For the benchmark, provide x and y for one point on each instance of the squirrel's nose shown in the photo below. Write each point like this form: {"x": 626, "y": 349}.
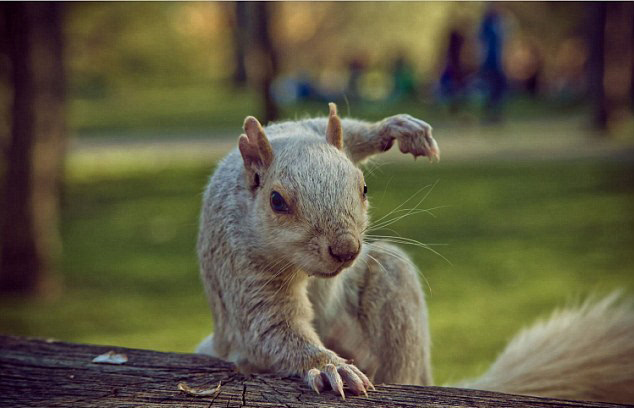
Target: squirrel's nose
{"x": 345, "y": 248}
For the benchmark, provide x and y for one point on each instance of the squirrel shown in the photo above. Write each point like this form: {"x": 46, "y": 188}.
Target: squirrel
{"x": 296, "y": 291}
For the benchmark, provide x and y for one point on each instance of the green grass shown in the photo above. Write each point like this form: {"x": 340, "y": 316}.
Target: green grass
{"x": 152, "y": 112}
{"x": 522, "y": 238}
{"x": 175, "y": 111}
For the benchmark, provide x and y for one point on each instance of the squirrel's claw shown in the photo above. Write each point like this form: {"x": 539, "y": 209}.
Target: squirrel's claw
{"x": 366, "y": 382}
{"x": 336, "y": 376}
{"x": 353, "y": 380}
{"x": 335, "y": 379}
{"x": 314, "y": 380}
{"x": 414, "y": 136}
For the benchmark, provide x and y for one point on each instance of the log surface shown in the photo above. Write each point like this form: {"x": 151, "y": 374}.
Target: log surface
{"x": 46, "y": 373}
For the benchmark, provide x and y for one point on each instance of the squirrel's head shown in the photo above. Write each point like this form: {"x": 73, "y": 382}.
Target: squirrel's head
{"x": 309, "y": 199}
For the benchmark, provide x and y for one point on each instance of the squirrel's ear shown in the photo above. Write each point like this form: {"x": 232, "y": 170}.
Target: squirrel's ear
{"x": 334, "y": 131}
{"x": 255, "y": 150}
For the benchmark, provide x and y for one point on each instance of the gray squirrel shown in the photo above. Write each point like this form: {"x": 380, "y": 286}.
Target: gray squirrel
{"x": 296, "y": 291}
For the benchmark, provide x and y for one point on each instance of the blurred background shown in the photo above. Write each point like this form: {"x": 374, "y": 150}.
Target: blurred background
{"x": 113, "y": 115}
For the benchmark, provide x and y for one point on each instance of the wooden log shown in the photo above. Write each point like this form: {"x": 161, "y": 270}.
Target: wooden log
{"x": 48, "y": 373}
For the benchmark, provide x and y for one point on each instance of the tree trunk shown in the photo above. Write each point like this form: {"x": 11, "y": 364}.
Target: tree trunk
{"x": 596, "y": 40}
{"x": 240, "y": 44}
{"x": 611, "y": 71}
{"x": 262, "y": 58}
{"x": 618, "y": 70}
{"x": 632, "y": 64}
{"x": 29, "y": 223}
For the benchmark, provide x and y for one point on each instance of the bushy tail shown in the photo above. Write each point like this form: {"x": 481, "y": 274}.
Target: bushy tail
{"x": 585, "y": 353}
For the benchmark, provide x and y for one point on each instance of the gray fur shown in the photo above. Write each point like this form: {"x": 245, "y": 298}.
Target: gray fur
{"x": 284, "y": 301}
{"x": 280, "y": 301}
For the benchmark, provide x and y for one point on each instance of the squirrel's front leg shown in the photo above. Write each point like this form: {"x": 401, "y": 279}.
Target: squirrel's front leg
{"x": 272, "y": 321}
{"x": 294, "y": 348}
{"x": 362, "y": 139}
{"x": 413, "y": 135}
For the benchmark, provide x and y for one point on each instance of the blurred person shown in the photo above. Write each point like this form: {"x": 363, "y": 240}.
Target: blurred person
{"x": 403, "y": 78}
{"x": 356, "y": 68}
{"x": 569, "y": 81}
{"x": 535, "y": 68}
{"x": 492, "y": 76}
{"x": 525, "y": 67}
{"x": 452, "y": 82}
{"x": 292, "y": 88}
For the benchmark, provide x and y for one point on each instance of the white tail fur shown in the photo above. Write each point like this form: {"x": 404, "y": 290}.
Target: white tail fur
{"x": 585, "y": 353}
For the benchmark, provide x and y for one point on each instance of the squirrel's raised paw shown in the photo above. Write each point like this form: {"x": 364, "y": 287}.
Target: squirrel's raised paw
{"x": 336, "y": 376}
{"x": 413, "y": 135}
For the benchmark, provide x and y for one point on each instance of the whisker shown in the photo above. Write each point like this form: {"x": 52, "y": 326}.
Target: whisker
{"x": 385, "y": 189}
{"x": 397, "y": 255}
{"x": 269, "y": 267}
{"x": 286, "y": 282}
{"x": 383, "y": 229}
{"x": 372, "y": 167}
{"x": 410, "y": 241}
{"x": 409, "y": 211}
{"x": 377, "y": 262}
{"x": 406, "y": 201}
{"x": 422, "y": 199}
{"x": 421, "y": 209}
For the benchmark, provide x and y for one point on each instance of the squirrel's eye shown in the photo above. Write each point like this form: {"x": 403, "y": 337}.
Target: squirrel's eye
{"x": 365, "y": 190}
{"x": 277, "y": 203}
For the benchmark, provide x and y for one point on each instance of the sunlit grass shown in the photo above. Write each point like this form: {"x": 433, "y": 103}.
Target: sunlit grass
{"x": 522, "y": 238}
{"x": 167, "y": 111}
{"x": 185, "y": 111}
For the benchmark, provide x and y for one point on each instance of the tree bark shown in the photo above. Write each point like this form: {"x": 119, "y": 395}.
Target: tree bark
{"x": 47, "y": 373}
{"x": 618, "y": 70}
{"x": 631, "y": 17}
{"x": 240, "y": 45}
{"x": 596, "y": 40}
{"x": 262, "y": 64}
{"x": 29, "y": 223}
{"x": 611, "y": 61}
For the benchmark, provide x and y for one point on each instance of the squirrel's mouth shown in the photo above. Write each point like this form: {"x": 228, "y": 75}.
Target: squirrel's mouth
{"x": 326, "y": 275}
{"x": 332, "y": 274}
